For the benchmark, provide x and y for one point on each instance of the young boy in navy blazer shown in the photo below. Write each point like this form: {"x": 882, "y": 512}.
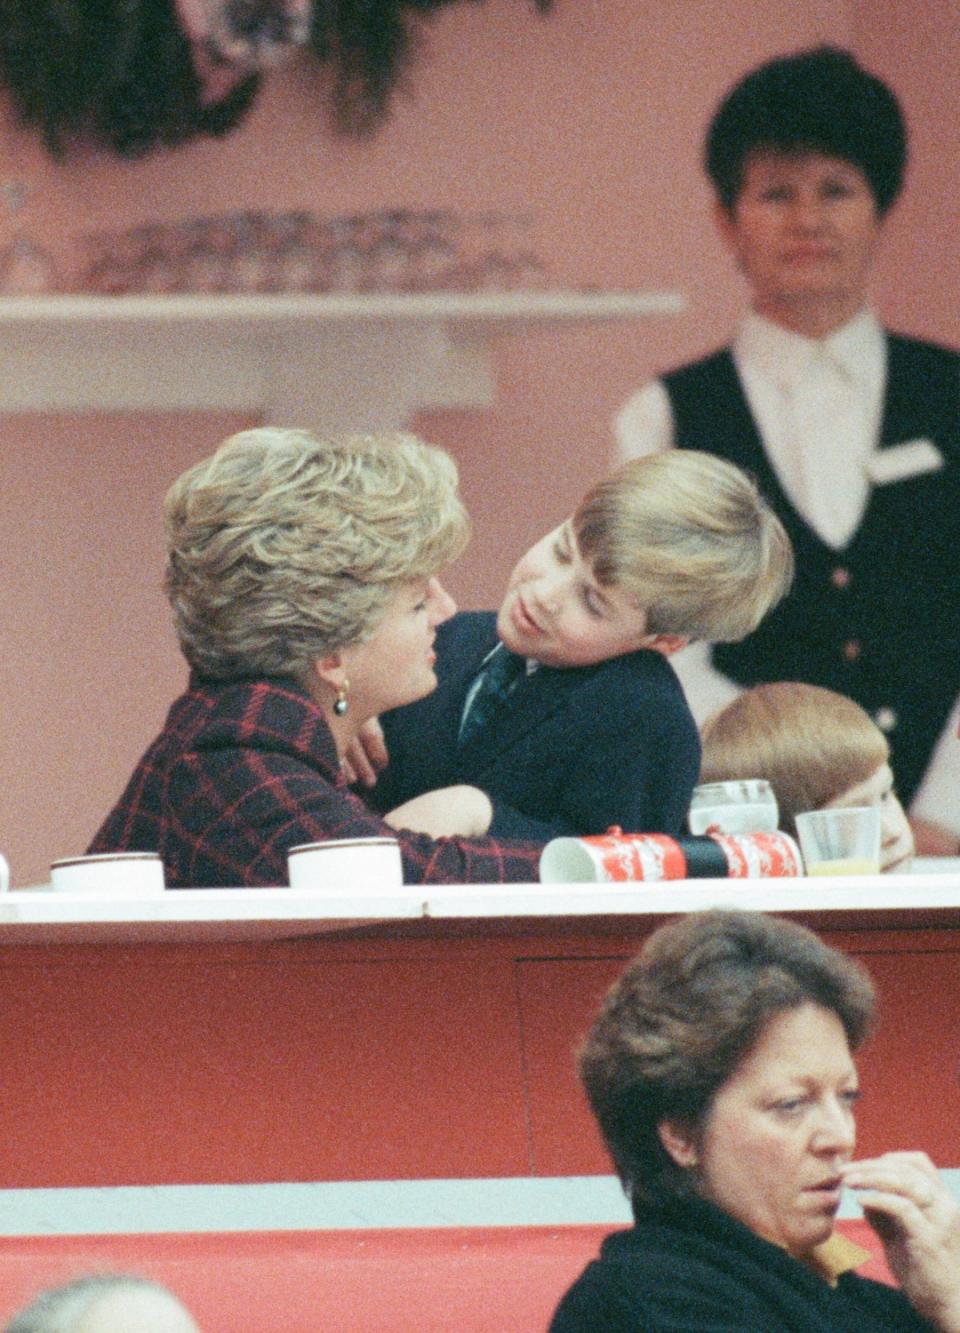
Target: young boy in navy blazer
{"x": 594, "y": 729}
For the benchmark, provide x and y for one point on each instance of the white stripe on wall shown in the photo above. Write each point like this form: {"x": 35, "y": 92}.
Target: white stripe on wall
{"x": 336, "y": 1205}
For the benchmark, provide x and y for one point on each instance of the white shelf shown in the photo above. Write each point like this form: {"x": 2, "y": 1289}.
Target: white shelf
{"x": 36, "y": 916}
{"x": 462, "y": 308}
{"x": 335, "y": 362}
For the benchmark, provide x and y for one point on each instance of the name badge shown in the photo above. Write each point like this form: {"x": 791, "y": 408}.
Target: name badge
{"x": 901, "y": 461}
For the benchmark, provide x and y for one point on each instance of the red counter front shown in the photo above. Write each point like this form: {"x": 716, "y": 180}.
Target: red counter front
{"x": 395, "y": 1050}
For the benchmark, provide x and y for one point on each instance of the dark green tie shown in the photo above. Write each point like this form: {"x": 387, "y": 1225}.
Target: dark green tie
{"x": 497, "y": 681}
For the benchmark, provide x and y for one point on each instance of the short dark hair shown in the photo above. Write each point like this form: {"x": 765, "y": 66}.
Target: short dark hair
{"x": 814, "y": 101}
{"x": 683, "y": 1016}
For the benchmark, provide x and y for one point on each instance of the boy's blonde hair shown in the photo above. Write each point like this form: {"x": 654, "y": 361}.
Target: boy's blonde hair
{"x": 691, "y": 538}
{"x": 811, "y": 745}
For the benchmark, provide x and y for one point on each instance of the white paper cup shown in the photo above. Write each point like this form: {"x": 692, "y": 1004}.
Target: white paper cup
{"x": 115, "y": 874}
{"x": 843, "y": 841}
{"x": 346, "y": 865}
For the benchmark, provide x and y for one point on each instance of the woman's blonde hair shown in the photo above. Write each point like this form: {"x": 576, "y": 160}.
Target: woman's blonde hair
{"x": 283, "y": 547}
{"x": 811, "y": 745}
{"x": 690, "y": 536}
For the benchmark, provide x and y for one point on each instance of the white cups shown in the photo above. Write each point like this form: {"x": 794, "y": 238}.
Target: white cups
{"x": 114, "y": 874}
{"x": 4, "y": 875}
{"x": 841, "y": 841}
{"x": 344, "y": 866}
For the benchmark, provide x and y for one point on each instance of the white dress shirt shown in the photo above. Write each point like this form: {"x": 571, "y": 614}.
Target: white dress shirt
{"x": 804, "y": 394}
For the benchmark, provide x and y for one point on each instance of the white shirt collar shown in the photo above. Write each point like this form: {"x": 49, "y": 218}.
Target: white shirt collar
{"x": 857, "y": 349}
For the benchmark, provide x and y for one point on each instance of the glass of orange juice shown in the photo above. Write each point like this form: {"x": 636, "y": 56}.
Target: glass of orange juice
{"x": 843, "y": 841}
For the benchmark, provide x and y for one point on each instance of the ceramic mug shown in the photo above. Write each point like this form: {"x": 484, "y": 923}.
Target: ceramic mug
{"x": 342, "y": 866}
{"x": 115, "y": 874}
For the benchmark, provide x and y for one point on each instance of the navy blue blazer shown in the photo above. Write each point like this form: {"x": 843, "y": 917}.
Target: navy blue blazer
{"x": 573, "y": 751}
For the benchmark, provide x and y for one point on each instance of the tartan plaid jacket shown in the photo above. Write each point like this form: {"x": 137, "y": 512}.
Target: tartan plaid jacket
{"x": 242, "y": 771}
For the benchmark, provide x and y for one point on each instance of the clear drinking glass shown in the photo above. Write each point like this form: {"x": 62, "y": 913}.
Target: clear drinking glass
{"x": 433, "y": 251}
{"x": 498, "y": 253}
{"x": 345, "y": 254}
{"x": 743, "y": 805}
{"x": 387, "y": 257}
{"x": 153, "y": 268}
{"x": 252, "y": 265}
{"x": 296, "y": 255}
{"x": 840, "y": 841}
{"x": 26, "y": 269}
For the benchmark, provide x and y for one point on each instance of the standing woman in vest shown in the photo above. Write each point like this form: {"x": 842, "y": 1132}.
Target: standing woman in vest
{"x": 852, "y": 431}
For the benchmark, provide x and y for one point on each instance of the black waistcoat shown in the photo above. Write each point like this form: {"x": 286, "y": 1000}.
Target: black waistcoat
{"x": 879, "y": 620}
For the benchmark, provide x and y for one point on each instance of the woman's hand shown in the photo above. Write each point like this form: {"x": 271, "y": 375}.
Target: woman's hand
{"x": 366, "y": 755}
{"x": 918, "y": 1220}
{"x": 447, "y": 812}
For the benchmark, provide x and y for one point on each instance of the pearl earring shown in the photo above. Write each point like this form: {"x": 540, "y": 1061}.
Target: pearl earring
{"x": 341, "y": 703}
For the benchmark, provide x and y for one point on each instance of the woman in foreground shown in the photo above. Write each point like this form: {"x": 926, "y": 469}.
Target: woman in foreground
{"x": 302, "y": 576}
{"x": 721, "y": 1074}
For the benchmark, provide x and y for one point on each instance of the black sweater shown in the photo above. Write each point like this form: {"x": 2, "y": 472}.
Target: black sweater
{"x": 689, "y": 1268}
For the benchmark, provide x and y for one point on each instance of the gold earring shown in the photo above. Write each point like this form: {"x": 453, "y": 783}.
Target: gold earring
{"x": 341, "y": 703}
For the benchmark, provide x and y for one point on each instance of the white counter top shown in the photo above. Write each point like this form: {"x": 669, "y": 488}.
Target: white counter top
{"x": 39, "y": 916}
{"x": 844, "y": 894}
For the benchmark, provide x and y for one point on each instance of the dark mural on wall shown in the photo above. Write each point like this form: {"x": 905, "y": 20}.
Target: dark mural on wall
{"x": 132, "y": 76}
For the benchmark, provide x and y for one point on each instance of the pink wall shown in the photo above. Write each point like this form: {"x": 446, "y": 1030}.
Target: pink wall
{"x": 592, "y": 118}
{"x": 916, "y": 48}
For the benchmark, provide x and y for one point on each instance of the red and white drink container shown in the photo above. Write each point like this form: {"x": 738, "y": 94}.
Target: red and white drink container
{"x": 617, "y": 857}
